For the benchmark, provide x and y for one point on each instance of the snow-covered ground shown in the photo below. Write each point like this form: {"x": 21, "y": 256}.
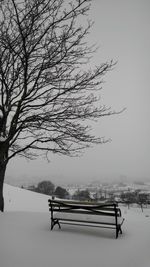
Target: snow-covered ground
{"x": 26, "y": 239}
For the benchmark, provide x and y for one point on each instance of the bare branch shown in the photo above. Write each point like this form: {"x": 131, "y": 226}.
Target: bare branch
{"x": 48, "y": 92}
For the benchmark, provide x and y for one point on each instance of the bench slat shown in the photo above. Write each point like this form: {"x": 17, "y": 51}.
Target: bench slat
{"x": 88, "y": 218}
{"x": 92, "y": 212}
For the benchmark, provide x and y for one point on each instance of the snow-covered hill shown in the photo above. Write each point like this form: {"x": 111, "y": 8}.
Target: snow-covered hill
{"x": 26, "y": 239}
{"x": 17, "y": 199}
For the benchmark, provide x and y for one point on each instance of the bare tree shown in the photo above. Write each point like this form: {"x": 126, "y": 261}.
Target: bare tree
{"x": 47, "y": 92}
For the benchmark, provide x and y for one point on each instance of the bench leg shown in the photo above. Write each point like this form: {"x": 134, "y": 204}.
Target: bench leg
{"x": 58, "y": 224}
{"x": 117, "y": 230}
{"x": 120, "y": 230}
{"x": 53, "y": 222}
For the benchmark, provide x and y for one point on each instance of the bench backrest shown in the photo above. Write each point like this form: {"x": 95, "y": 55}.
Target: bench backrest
{"x": 107, "y": 209}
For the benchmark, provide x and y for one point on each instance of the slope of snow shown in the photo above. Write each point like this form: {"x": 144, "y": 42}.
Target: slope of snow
{"x": 17, "y": 199}
{"x": 26, "y": 239}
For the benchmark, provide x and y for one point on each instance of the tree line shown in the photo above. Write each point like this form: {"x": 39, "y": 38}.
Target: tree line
{"x": 48, "y": 188}
{"x": 128, "y": 198}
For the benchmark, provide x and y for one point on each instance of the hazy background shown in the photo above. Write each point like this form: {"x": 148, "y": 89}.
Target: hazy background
{"x": 122, "y": 32}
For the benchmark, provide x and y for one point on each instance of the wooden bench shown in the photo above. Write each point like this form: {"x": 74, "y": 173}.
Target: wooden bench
{"x": 86, "y": 214}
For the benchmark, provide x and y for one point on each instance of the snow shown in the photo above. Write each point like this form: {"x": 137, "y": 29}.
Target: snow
{"x": 26, "y": 239}
{"x": 2, "y": 139}
{"x": 18, "y": 199}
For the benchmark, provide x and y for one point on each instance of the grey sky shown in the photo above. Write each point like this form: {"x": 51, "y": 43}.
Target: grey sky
{"x": 122, "y": 32}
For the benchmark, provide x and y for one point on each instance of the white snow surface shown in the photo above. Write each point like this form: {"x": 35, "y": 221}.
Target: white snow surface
{"x": 2, "y": 139}
{"x": 26, "y": 239}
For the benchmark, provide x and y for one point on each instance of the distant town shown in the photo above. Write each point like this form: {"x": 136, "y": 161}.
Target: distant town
{"x": 122, "y": 192}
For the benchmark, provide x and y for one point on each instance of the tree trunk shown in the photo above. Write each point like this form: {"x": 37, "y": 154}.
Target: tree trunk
{"x": 2, "y": 175}
{"x": 3, "y": 164}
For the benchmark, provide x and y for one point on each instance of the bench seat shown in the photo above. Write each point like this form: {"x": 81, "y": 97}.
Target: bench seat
{"x": 87, "y": 218}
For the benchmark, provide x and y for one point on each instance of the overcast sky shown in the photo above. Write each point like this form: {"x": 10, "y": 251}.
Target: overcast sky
{"x": 122, "y": 32}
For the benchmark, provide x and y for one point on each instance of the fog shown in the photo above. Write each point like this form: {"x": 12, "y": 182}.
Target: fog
{"x": 121, "y": 30}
